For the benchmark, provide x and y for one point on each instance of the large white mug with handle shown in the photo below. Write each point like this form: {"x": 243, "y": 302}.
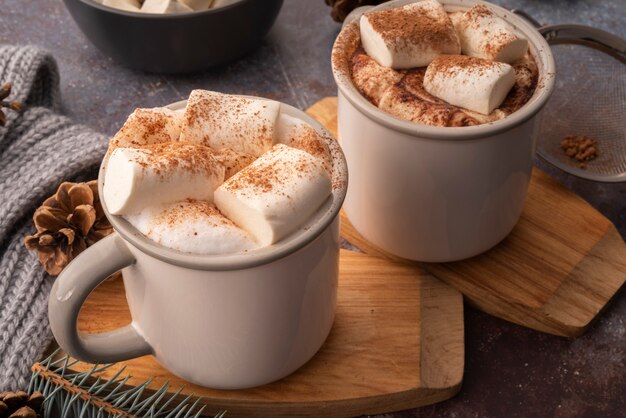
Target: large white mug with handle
{"x": 221, "y": 321}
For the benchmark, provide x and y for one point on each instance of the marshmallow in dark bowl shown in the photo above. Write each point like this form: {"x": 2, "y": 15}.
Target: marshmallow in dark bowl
{"x": 174, "y": 36}
{"x": 165, "y": 6}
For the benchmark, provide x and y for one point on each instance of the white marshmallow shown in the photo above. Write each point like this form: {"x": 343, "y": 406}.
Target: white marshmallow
{"x": 485, "y": 35}
{"x": 197, "y": 4}
{"x": 472, "y": 83}
{"x": 232, "y": 161}
{"x": 164, "y": 6}
{"x": 298, "y": 134}
{"x": 285, "y": 128}
{"x": 147, "y": 127}
{"x": 409, "y": 36}
{"x": 276, "y": 194}
{"x": 456, "y": 18}
{"x": 192, "y": 226}
{"x": 138, "y": 178}
{"x": 127, "y": 5}
{"x": 221, "y": 121}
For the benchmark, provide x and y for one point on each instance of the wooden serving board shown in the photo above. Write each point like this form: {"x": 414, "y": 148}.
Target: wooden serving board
{"x": 555, "y": 272}
{"x": 397, "y": 343}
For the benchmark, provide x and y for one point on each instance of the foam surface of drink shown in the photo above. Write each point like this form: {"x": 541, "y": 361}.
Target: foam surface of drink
{"x": 192, "y": 226}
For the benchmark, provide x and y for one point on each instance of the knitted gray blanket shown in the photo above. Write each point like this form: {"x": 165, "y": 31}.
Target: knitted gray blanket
{"x": 39, "y": 149}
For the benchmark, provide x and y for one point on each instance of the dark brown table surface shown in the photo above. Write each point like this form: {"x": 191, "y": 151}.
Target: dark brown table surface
{"x": 510, "y": 371}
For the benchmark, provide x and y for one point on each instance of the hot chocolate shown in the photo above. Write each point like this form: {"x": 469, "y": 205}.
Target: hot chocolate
{"x": 228, "y": 174}
{"x": 420, "y": 63}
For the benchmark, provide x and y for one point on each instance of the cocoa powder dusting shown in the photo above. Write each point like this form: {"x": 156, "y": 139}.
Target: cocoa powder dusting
{"x": 189, "y": 210}
{"x": 143, "y": 127}
{"x": 194, "y": 158}
{"x": 415, "y": 25}
{"x": 269, "y": 173}
{"x": 401, "y": 92}
{"x": 581, "y": 148}
{"x": 451, "y": 65}
{"x": 371, "y": 78}
{"x": 308, "y": 140}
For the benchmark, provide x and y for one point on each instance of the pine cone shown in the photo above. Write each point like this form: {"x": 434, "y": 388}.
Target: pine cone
{"x": 5, "y": 91}
{"x": 20, "y": 404}
{"x": 341, "y": 8}
{"x": 67, "y": 223}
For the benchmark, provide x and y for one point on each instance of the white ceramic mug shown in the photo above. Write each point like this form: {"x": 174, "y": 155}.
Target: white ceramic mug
{"x": 436, "y": 193}
{"x": 228, "y": 321}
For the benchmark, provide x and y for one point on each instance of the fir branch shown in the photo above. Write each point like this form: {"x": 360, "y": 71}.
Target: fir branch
{"x": 86, "y": 395}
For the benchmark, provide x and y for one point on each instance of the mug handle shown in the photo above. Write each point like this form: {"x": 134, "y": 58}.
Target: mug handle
{"x": 68, "y": 294}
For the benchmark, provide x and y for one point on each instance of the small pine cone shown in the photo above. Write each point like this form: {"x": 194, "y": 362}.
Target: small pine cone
{"x": 341, "y": 8}
{"x": 13, "y": 400}
{"x": 35, "y": 401}
{"x": 67, "y": 223}
{"x": 24, "y": 412}
{"x": 5, "y": 91}
{"x": 19, "y": 404}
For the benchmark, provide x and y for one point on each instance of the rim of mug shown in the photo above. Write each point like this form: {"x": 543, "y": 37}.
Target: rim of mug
{"x": 538, "y": 46}
{"x": 316, "y": 225}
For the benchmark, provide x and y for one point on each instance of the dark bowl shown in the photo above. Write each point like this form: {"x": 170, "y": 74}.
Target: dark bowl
{"x": 176, "y": 43}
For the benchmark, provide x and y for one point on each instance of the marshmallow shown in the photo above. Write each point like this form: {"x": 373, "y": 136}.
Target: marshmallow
{"x": 232, "y": 161}
{"x": 192, "y": 226}
{"x": 285, "y": 128}
{"x": 221, "y": 121}
{"x": 127, "y": 5}
{"x": 147, "y": 127}
{"x": 136, "y": 178}
{"x": 485, "y": 35}
{"x": 371, "y": 78}
{"x": 276, "y": 194}
{"x": 164, "y": 6}
{"x": 197, "y": 4}
{"x": 298, "y": 134}
{"x": 472, "y": 83}
{"x": 223, "y": 3}
{"x": 409, "y": 36}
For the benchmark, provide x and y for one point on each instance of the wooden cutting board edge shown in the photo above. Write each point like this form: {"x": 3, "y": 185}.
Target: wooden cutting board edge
{"x": 552, "y": 316}
{"x": 440, "y": 375}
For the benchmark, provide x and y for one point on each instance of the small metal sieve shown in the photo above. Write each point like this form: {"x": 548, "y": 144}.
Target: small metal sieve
{"x": 589, "y": 100}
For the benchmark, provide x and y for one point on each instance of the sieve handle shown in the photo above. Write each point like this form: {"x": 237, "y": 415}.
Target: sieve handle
{"x": 581, "y": 35}
{"x": 588, "y": 36}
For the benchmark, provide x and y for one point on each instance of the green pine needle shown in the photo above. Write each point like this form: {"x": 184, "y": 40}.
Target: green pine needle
{"x": 85, "y": 395}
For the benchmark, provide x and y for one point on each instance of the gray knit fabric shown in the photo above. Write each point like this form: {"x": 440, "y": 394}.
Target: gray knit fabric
{"x": 39, "y": 149}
